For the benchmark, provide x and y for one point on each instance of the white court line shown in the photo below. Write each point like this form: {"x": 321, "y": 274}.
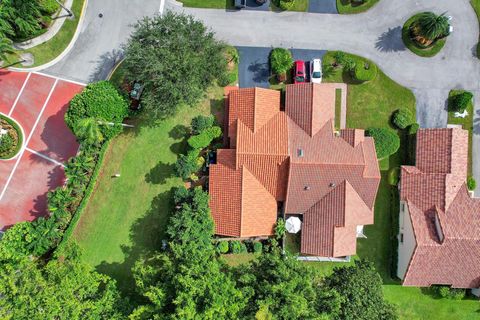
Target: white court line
{"x": 60, "y": 78}
{"x": 27, "y": 141}
{"x": 41, "y": 155}
{"x": 19, "y": 94}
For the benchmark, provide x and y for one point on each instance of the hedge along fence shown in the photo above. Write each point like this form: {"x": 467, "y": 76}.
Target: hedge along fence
{"x": 86, "y": 198}
{"x": 19, "y": 131}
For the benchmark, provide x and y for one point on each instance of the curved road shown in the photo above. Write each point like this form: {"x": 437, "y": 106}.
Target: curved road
{"x": 375, "y": 34}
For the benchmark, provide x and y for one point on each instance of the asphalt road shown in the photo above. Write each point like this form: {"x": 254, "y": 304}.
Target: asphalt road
{"x": 98, "y": 47}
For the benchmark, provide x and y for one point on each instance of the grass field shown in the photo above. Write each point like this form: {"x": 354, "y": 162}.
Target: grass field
{"x": 346, "y": 6}
{"x": 51, "y": 49}
{"x": 126, "y": 216}
{"x": 466, "y": 123}
{"x": 213, "y": 4}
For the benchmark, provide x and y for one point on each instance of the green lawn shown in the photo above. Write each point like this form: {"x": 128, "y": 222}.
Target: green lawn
{"x": 346, "y": 6}
{"x": 466, "y": 123}
{"x": 338, "y": 107}
{"x": 298, "y": 5}
{"x": 126, "y": 216}
{"x": 51, "y": 49}
{"x": 412, "y": 46}
{"x": 213, "y": 4}
{"x": 476, "y": 6}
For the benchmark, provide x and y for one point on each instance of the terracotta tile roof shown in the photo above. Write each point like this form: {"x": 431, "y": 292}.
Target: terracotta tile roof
{"x": 277, "y": 154}
{"x": 437, "y": 191}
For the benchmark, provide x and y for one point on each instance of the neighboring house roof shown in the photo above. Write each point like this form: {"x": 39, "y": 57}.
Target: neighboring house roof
{"x": 294, "y": 157}
{"x": 445, "y": 218}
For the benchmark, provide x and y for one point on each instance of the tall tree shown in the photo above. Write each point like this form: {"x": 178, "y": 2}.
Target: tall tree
{"x": 361, "y": 287}
{"x": 176, "y": 58}
{"x": 5, "y": 48}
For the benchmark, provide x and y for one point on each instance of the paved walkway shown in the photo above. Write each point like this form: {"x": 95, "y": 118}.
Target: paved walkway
{"x": 52, "y": 31}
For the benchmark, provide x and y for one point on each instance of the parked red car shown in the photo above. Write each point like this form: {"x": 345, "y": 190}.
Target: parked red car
{"x": 300, "y": 73}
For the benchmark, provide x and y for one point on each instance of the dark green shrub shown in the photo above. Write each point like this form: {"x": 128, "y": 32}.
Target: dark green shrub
{"x": 402, "y": 118}
{"x": 413, "y": 128}
{"x": 227, "y": 78}
{"x": 471, "y": 183}
{"x": 204, "y": 138}
{"x": 235, "y": 246}
{"x": 281, "y": 60}
{"x": 285, "y": 4}
{"x": 7, "y": 142}
{"x": 48, "y": 6}
{"x": 243, "y": 248}
{"x": 280, "y": 228}
{"x": 459, "y": 102}
{"x": 222, "y": 247}
{"x": 101, "y": 101}
{"x": 394, "y": 176}
{"x": 450, "y": 293}
{"x": 187, "y": 164}
{"x": 387, "y": 141}
{"x": 180, "y": 195}
{"x": 257, "y": 247}
{"x": 364, "y": 70}
{"x": 200, "y": 123}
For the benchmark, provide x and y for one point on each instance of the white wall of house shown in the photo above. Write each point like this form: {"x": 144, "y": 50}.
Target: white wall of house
{"x": 406, "y": 241}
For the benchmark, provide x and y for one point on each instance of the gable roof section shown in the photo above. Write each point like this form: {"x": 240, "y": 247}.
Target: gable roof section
{"x": 437, "y": 193}
{"x": 310, "y": 105}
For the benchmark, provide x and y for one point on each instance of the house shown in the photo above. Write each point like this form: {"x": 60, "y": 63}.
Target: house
{"x": 439, "y": 240}
{"x": 290, "y": 161}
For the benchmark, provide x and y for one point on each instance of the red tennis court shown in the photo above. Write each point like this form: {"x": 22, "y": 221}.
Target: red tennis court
{"x": 38, "y": 103}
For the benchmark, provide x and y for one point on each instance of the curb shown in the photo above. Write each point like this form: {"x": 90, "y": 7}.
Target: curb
{"x": 67, "y": 49}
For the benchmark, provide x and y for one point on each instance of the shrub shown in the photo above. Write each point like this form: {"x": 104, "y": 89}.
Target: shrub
{"x": 285, "y": 4}
{"x": 459, "y": 102}
{"x": 387, "y": 141}
{"x": 48, "y": 6}
{"x": 402, "y": 118}
{"x": 222, "y": 247}
{"x": 200, "y": 123}
{"x": 281, "y": 60}
{"x": 280, "y": 228}
{"x": 471, "y": 183}
{"x": 235, "y": 246}
{"x": 243, "y": 248}
{"x": 449, "y": 293}
{"x": 7, "y": 142}
{"x": 100, "y": 101}
{"x": 187, "y": 164}
{"x": 394, "y": 176}
{"x": 364, "y": 70}
{"x": 204, "y": 138}
{"x": 227, "y": 78}
{"x": 257, "y": 247}
{"x": 413, "y": 128}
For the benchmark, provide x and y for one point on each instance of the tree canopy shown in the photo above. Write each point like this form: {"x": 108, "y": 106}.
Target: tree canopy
{"x": 176, "y": 58}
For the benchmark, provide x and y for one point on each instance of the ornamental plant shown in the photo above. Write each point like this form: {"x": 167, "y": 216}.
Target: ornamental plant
{"x": 402, "y": 118}
{"x": 281, "y": 61}
{"x": 460, "y": 101}
{"x": 386, "y": 140}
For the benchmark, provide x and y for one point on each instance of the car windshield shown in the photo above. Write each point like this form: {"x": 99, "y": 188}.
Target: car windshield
{"x": 300, "y": 79}
{"x": 317, "y": 74}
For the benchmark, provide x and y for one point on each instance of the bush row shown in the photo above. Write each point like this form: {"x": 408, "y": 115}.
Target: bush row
{"x": 236, "y": 246}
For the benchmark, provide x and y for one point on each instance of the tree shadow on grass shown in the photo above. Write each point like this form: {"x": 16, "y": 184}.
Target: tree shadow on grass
{"x": 179, "y": 132}
{"x": 160, "y": 173}
{"x": 146, "y": 236}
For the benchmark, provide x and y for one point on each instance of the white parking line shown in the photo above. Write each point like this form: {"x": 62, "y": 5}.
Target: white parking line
{"x": 61, "y": 79}
{"x": 19, "y": 94}
{"x": 27, "y": 141}
{"x": 41, "y": 155}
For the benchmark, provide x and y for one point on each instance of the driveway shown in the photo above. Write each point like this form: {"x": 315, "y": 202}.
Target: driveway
{"x": 322, "y": 6}
{"x": 98, "y": 47}
{"x": 254, "y": 69}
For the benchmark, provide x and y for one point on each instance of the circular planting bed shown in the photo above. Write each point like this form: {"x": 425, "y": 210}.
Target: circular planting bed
{"x": 11, "y": 138}
{"x": 427, "y": 50}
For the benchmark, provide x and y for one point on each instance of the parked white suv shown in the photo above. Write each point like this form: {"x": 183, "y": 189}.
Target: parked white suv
{"x": 316, "y": 71}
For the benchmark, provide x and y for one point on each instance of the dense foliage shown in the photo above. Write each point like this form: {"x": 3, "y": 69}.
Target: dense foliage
{"x": 387, "y": 141}
{"x": 201, "y": 123}
{"x": 360, "y": 287}
{"x": 431, "y": 26}
{"x": 402, "y": 118}
{"x": 284, "y": 4}
{"x": 12, "y": 141}
{"x": 23, "y": 19}
{"x": 99, "y": 101}
{"x": 176, "y": 58}
{"x": 63, "y": 288}
{"x": 459, "y": 101}
{"x": 281, "y": 60}
{"x": 471, "y": 183}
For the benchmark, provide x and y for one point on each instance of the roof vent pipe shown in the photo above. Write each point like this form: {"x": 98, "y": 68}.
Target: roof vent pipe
{"x": 332, "y": 185}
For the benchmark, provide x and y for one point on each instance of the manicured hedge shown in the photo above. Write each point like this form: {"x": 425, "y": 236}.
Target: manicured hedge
{"x": 387, "y": 141}
{"x": 88, "y": 193}
{"x": 19, "y": 144}
{"x": 471, "y": 183}
{"x": 402, "y": 118}
{"x": 459, "y": 101}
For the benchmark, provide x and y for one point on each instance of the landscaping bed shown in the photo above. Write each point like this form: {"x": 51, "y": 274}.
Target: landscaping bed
{"x": 349, "y": 6}
{"x": 12, "y": 141}
{"x": 297, "y": 5}
{"x": 427, "y": 51}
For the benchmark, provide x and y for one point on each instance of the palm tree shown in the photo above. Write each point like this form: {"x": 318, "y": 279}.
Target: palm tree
{"x": 5, "y": 48}
{"x": 432, "y": 27}
{"x": 88, "y": 131}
